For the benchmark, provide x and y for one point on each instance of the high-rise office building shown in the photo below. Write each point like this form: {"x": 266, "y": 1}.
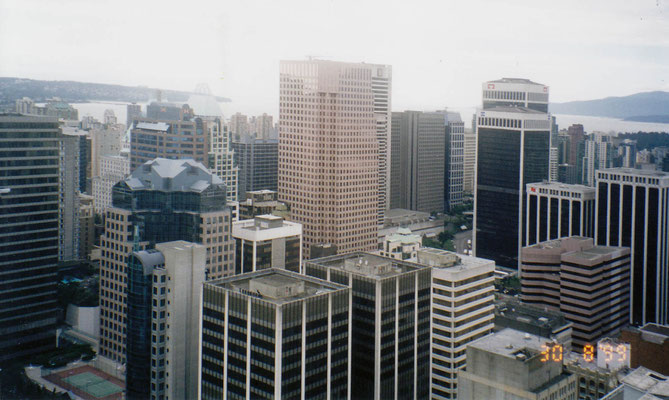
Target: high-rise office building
{"x": 133, "y": 112}
{"x": 513, "y": 150}
{"x": 382, "y": 85}
{"x": 515, "y": 92}
{"x": 328, "y": 153}
{"x": 275, "y": 334}
{"x": 164, "y": 292}
{"x": 454, "y": 167}
{"x": 556, "y": 210}
{"x": 598, "y": 154}
{"x": 258, "y": 163}
{"x": 172, "y": 139}
{"x": 162, "y": 111}
{"x": 68, "y": 235}
{"x": 29, "y": 227}
{"x": 86, "y": 225}
{"x": 168, "y": 200}
{"x": 589, "y": 284}
{"x": 418, "y": 153}
{"x": 508, "y": 365}
{"x": 390, "y": 350}
{"x": 633, "y": 211}
{"x": 469, "y": 162}
{"x": 221, "y": 157}
{"x": 104, "y": 142}
{"x": 113, "y": 169}
{"x": 264, "y": 127}
{"x": 239, "y": 125}
{"x": 462, "y": 312}
{"x": 267, "y": 241}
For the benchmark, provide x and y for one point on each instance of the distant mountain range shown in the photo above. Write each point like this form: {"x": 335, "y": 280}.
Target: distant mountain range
{"x": 642, "y": 107}
{"x": 12, "y": 89}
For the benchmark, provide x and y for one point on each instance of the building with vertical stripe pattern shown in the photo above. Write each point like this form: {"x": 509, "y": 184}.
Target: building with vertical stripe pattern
{"x": 390, "y": 320}
{"x": 275, "y": 334}
{"x": 633, "y": 211}
{"x": 556, "y": 210}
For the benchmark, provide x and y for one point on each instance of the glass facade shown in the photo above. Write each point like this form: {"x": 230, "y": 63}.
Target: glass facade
{"x": 258, "y": 162}
{"x": 29, "y": 216}
{"x": 499, "y": 189}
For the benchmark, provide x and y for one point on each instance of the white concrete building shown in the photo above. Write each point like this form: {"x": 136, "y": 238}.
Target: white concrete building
{"x": 112, "y": 170}
{"x": 267, "y": 241}
{"x": 462, "y": 311}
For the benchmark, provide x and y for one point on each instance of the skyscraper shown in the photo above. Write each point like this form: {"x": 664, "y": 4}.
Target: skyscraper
{"x": 598, "y": 154}
{"x": 68, "y": 243}
{"x": 133, "y": 112}
{"x": 172, "y": 139}
{"x": 167, "y": 200}
{"x": 469, "y": 163}
{"x": 454, "y": 167}
{"x": 164, "y": 292}
{"x": 328, "y": 153}
{"x": 390, "y": 345}
{"x": 29, "y": 208}
{"x": 382, "y": 85}
{"x": 417, "y": 158}
{"x": 513, "y": 150}
{"x": 221, "y": 156}
{"x": 275, "y": 334}
{"x": 462, "y": 312}
{"x": 515, "y": 92}
{"x": 258, "y": 163}
{"x": 633, "y": 211}
{"x": 556, "y": 210}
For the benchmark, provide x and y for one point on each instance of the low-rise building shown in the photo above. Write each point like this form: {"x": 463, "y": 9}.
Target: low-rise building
{"x": 267, "y": 241}
{"x": 402, "y": 245}
{"x": 514, "y": 365}
{"x": 649, "y": 346}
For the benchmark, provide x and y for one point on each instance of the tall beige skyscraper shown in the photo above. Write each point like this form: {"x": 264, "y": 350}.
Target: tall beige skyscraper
{"x": 329, "y": 153}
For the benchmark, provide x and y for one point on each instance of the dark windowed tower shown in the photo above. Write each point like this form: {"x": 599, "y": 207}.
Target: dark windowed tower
{"x": 29, "y": 204}
{"x": 513, "y": 148}
{"x": 390, "y": 353}
{"x": 258, "y": 162}
{"x": 275, "y": 334}
{"x": 557, "y": 210}
{"x": 632, "y": 211}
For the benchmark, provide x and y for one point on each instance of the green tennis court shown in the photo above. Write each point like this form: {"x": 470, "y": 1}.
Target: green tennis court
{"x": 93, "y": 384}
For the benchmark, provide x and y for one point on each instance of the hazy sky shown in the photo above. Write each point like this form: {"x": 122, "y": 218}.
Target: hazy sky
{"x": 441, "y": 51}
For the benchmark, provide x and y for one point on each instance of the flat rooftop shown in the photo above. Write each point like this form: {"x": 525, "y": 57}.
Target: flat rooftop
{"x": 509, "y": 342}
{"x": 657, "y": 329}
{"x": 563, "y": 186}
{"x": 462, "y": 262}
{"x": 648, "y": 381}
{"x": 512, "y": 309}
{"x": 368, "y": 265}
{"x": 302, "y": 286}
{"x": 515, "y": 80}
{"x": 632, "y": 171}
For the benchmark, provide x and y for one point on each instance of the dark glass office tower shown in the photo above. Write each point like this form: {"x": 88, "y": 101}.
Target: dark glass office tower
{"x": 168, "y": 200}
{"x": 390, "y": 353}
{"x": 258, "y": 162}
{"x": 29, "y": 202}
{"x": 633, "y": 211}
{"x": 275, "y": 334}
{"x": 513, "y": 150}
